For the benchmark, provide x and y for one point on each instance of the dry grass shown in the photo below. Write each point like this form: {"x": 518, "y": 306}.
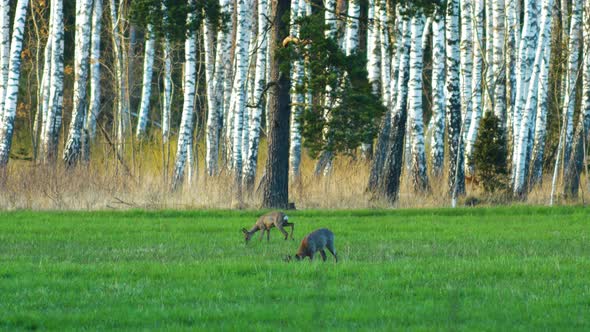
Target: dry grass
{"x": 105, "y": 184}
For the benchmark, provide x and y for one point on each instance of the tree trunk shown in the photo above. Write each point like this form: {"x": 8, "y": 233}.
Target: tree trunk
{"x": 418, "y": 157}
{"x": 437, "y": 145}
{"x": 243, "y": 33}
{"x": 122, "y": 113}
{"x": 5, "y": 49}
{"x": 185, "y": 136}
{"x": 394, "y": 160}
{"x": 499, "y": 62}
{"x": 453, "y": 98}
{"x": 276, "y": 181}
{"x": 527, "y": 121}
{"x": 466, "y": 49}
{"x": 52, "y": 121}
{"x": 297, "y": 96}
{"x": 525, "y": 59}
{"x": 72, "y": 151}
{"x": 146, "y": 85}
{"x": 472, "y": 129}
{"x": 10, "y": 102}
{"x": 569, "y": 101}
{"x": 222, "y": 74}
{"x": 580, "y": 144}
{"x": 94, "y": 108}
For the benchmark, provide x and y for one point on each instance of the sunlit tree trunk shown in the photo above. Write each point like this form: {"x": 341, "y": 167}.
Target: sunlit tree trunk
{"x": 259, "y": 86}
{"x": 212, "y": 109}
{"x": 76, "y": 137}
{"x": 244, "y": 30}
{"x": 94, "y": 107}
{"x": 527, "y": 122}
{"x": 387, "y": 61}
{"x": 394, "y": 160}
{"x": 476, "y": 102}
{"x": 52, "y": 123}
{"x": 186, "y": 123}
{"x": 10, "y": 102}
{"x": 466, "y": 49}
{"x": 5, "y": 50}
{"x": 418, "y": 157}
{"x": 146, "y": 86}
{"x": 437, "y": 145}
{"x": 499, "y": 64}
{"x": 453, "y": 101}
{"x": 222, "y": 74}
{"x": 122, "y": 97}
{"x": 525, "y": 59}
{"x": 580, "y": 139}
{"x": 569, "y": 101}
{"x": 297, "y": 95}
{"x": 44, "y": 87}
{"x": 489, "y": 58}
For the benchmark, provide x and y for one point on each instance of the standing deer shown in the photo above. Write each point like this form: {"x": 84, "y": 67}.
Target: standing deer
{"x": 314, "y": 242}
{"x": 266, "y": 222}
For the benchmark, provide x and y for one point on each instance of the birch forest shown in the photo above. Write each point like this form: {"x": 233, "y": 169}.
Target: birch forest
{"x": 282, "y": 103}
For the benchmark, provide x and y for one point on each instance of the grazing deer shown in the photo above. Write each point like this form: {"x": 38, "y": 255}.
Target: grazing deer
{"x": 314, "y": 242}
{"x": 266, "y": 222}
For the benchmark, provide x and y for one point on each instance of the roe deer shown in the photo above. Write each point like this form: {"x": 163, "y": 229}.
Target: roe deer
{"x": 266, "y": 222}
{"x": 314, "y": 242}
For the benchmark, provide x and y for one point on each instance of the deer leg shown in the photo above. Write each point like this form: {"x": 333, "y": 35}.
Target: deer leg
{"x": 268, "y": 235}
{"x": 280, "y": 227}
{"x": 333, "y": 252}
{"x": 323, "y": 253}
{"x": 262, "y": 234}
{"x": 292, "y": 228}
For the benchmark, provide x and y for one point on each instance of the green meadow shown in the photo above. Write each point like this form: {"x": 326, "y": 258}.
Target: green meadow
{"x": 509, "y": 269}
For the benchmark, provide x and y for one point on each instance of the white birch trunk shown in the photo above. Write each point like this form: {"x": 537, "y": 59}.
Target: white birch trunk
{"x": 52, "y": 123}
{"x": 541, "y": 57}
{"x": 526, "y": 57}
{"x": 167, "y": 95}
{"x": 94, "y": 107}
{"x": 222, "y": 74}
{"x": 386, "y": 58}
{"x": 541, "y": 121}
{"x": 73, "y": 148}
{"x": 415, "y": 114}
{"x": 374, "y": 48}
{"x": 146, "y": 86}
{"x": 297, "y": 96}
{"x": 586, "y": 73}
{"x": 512, "y": 29}
{"x": 489, "y": 57}
{"x": 437, "y": 145}
{"x": 466, "y": 48}
{"x": 453, "y": 101}
{"x": 476, "y": 102}
{"x": 569, "y": 102}
{"x": 185, "y": 136}
{"x": 122, "y": 115}
{"x": 498, "y": 62}
{"x": 5, "y": 49}
{"x": 212, "y": 108}
{"x": 243, "y": 33}
{"x": 45, "y": 78}
{"x": 10, "y": 102}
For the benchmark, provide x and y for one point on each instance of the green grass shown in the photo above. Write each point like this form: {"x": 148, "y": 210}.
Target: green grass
{"x": 508, "y": 269}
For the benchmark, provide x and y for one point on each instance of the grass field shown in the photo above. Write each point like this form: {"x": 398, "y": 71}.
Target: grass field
{"x": 519, "y": 268}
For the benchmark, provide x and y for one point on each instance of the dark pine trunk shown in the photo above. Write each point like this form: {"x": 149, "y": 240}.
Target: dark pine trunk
{"x": 276, "y": 181}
